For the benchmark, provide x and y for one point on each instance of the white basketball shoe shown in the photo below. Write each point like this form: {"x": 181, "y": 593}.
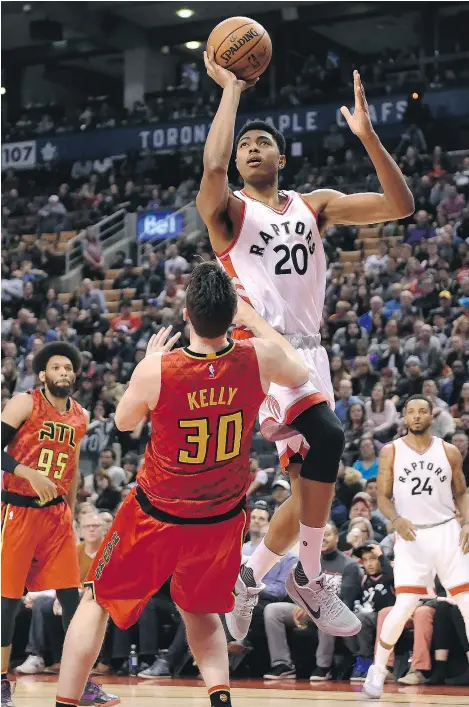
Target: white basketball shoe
{"x": 374, "y": 682}
{"x": 247, "y": 596}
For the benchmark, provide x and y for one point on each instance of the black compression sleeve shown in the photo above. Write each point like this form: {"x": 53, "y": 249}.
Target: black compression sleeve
{"x": 9, "y": 463}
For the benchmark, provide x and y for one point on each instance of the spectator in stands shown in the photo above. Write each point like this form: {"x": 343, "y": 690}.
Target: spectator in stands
{"x": 126, "y": 321}
{"x": 148, "y": 284}
{"x": 356, "y": 425}
{"x": 343, "y": 574}
{"x": 367, "y": 463}
{"x": 26, "y": 379}
{"x": 52, "y": 217}
{"x": 377, "y": 592}
{"x": 449, "y": 632}
{"x": 126, "y": 278}
{"x": 450, "y": 208}
{"x": 107, "y": 464}
{"x": 422, "y": 230}
{"x": 413, "y": 382}
{"x": 460, "y": 440}
{"x": 346, "y": 399}
{"x": 175, "y": 263}
{"x": 106, "y": 495}
{"x": 280, "y": 491}
{"x": 371, "y": 488}
{"x": 382, "y": 414}
{"x": 363, "y": 377}
{"x": 361, "y": 507}
{"x": 462, "y": 405}
{"x": 93, "y": 256}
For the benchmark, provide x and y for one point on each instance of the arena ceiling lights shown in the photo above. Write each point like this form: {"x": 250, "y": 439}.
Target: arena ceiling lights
{"x": 184, "y": 13}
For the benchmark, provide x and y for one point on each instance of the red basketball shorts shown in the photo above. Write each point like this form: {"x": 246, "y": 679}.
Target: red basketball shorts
{"x": 38, "y": 550}
{"x": 140, "y": 553}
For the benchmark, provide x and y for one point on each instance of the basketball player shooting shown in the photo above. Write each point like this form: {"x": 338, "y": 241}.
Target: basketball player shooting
{"x": 419, "y": 481}
{"x": 269, "y": 242}
{"x": 42, "y": 430}
{"x": 186, "y": 518}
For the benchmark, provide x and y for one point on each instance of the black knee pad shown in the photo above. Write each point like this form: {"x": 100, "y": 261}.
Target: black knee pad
{"x": 69, "y": 600}
{"x": 10, "y": 608}
{"x": 323, "y": 431}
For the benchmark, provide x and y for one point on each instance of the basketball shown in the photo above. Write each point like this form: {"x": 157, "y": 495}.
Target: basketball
{"x": 242, "y": 46}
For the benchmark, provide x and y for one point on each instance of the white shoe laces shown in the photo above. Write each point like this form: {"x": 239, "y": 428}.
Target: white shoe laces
{"x": 328, "y": 599}
{"x": 246, "y": 604}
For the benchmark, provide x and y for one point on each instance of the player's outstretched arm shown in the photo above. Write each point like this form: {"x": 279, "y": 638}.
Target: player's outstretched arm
{"x": 214, "y": 195}
{"x": 395, "y": 202}
{"x": 385, "y": 492}
{"x": 16, "y": 412}
{"x": 460, "y": 492}
{"x": 141, "y": 394}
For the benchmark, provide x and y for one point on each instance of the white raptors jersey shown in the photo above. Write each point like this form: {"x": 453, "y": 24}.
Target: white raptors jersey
{"x": 278, "y": 264}
{"x": 422, "y": 483}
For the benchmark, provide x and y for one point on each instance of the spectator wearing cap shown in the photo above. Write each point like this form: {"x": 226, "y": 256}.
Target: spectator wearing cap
{"x": 126, "y": 318}
{"x": 367, "y": 464}
{"x": 362, "y": 507}
{"x": 412, "y": 384}
{"x": 377, "y": 592}
{"x": 126, "y": 278}
{"x": 445, "y": 308}
{"x": 343, "y": 575}
{"x": 346, "y": 399}
{"x": 280, "y": 491}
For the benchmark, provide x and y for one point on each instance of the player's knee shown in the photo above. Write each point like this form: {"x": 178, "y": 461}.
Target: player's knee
{"x": 324, "y": 433}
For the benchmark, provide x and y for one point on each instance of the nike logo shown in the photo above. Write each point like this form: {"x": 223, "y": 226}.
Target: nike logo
{"x": 316, "y": 614}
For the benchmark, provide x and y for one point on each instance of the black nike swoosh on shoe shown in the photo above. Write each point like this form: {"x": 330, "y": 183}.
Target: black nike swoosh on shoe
{"x": 316, "y": 614}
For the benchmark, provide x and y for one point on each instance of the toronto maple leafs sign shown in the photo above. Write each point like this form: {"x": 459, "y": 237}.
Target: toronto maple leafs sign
{"x": 296, "y": 122}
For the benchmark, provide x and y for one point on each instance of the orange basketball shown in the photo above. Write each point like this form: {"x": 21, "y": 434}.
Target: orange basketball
{"x": 241, "y": 45}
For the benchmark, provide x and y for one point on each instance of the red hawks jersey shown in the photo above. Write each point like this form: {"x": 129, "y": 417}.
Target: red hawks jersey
{"x": 48, "y": 441}
{"x": 197, "y": 459}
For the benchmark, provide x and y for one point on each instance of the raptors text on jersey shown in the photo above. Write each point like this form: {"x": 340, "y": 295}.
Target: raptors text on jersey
{"x": 278, "y": 265}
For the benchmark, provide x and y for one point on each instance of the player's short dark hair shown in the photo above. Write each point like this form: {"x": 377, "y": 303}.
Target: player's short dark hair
{"x": 211, "y": 300}
{"x": 263, "y": 125}
{"x": 56, "y": 348}
{"x": 419, "y": 397}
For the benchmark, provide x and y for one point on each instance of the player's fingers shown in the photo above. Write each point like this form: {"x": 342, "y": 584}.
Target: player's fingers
{"x": 169, "y": 344}
{"x": 211, "y": 51}
{"x": 346, "y": 113}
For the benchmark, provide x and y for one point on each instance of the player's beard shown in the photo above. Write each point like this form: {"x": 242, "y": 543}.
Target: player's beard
{"x": 421, "y": 430}
{"x": 58, "y": 391}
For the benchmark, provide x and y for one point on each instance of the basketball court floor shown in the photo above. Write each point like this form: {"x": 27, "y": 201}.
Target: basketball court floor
{"x": 40, "y": 692}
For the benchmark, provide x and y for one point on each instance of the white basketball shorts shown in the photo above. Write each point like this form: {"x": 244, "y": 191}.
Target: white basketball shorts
{"x": 435, "y": 551}
{"x": 283, "y": 405}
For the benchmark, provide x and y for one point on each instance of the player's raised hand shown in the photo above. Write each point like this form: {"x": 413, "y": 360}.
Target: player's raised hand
{"x": 159, "y": 343}
{"x": 222, "y": 76}
{"x": 464, "y": 538}
{"x": 405, "y": 529}
{"x": 360, "y": 122}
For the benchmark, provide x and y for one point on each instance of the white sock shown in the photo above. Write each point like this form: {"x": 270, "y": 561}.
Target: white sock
{"x": 310, "y": 550}
{"x": 261, "y": 561}
{"x": 381, "y": 656}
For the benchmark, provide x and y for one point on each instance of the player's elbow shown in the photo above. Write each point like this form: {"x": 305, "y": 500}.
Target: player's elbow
{"x": 121, "y": 423}
{"x": 404, "y": 208}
